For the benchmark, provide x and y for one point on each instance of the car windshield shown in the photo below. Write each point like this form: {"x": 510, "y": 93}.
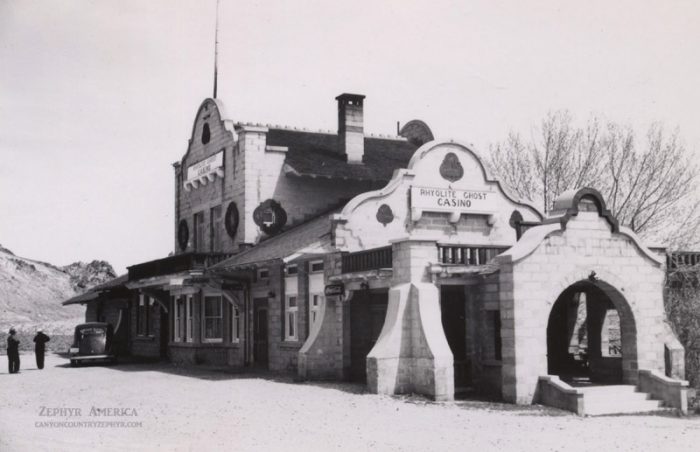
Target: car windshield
{"x": 92, "y": 332}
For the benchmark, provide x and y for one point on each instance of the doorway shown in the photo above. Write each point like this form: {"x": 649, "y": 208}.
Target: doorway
{"x": 367, "y": 314}
{"x": 164, "y": 332}
{"x": 590, "y": 335}
{"x": 260, "y": 334}
{"x": 454, "y": 324}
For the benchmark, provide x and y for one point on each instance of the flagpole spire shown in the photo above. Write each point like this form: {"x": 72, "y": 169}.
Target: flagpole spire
{"x": 216, "y": 49}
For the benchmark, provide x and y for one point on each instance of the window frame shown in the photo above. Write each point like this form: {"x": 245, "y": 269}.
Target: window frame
{"x": 235, "y": 324}
{"x": 143, "y": 315}
{"x": 291, "y": 317}
{"x": 214, "y": 229}
{"x": 205, "y": 317}
{"x": 189, "y": 319}
{"x": 199, "y": 233}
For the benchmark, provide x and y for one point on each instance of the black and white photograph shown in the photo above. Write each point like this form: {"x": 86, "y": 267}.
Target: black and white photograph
{"x": 390, "y": 225}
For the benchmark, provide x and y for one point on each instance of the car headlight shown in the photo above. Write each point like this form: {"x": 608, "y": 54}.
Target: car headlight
{"x": 74, "y": 350}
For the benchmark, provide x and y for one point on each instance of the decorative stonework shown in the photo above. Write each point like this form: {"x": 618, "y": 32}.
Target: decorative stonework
{"x": 385, "y": 215}
{"x": 451, "y": 169}
{"x": 231, "y": 220}
{"x": 270, "y": 217}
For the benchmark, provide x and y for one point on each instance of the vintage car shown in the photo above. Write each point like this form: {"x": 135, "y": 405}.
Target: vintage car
{"x": 92, "y": 343}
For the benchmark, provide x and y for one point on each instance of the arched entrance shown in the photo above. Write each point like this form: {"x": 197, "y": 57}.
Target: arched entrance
{"x": 591, "y": 335}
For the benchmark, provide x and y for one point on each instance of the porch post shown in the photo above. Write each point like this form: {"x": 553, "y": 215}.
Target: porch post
{"x": 412, "y": 354}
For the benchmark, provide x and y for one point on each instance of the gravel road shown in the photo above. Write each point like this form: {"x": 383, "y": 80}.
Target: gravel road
{"x": 163, "y": 407}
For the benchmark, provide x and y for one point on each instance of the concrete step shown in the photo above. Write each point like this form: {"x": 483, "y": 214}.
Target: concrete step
{"x": 617, "y": 399}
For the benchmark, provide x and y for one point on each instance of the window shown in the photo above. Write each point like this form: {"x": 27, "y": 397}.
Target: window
{"x": 143, "y": 317}
{"x": 316, "y": 286}
{"x": 214, "y": 228}
{"x": 291, "y": 310}
{"x": 492, "y": 343}
{"x": 212, "y": 319}
{"x": 179, "y": 318}
{"x": 316, "y": 300}
{"x": 199, "y": 231}
{"x": 263, "y": 273}
{"x": 206, "y": 133}
{"x": 316, "y": 266}
{"x": 190, "y": 319}
{"x": 235, "y": 326}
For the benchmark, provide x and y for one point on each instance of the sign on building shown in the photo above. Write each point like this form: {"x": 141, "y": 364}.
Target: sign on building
{"x": 433, "y": 199}
{"x": 205, "y": 171}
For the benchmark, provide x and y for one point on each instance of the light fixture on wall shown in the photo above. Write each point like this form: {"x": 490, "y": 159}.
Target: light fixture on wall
{"x": 592, "y": 277}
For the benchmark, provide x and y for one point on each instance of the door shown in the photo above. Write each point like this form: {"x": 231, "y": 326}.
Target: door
{"x": 260, "y": 353}
{"x": 164, "y": 332}
{"x": 454, "y": 323}
{"x": 367, "y": 315}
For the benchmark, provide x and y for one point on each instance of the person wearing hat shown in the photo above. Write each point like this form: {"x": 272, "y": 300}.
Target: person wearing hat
{"x": 40, "y": 341}
{"x": 13, "y": 351}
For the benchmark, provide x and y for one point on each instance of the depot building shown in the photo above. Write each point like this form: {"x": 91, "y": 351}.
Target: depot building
{"x": 391, "y": 260}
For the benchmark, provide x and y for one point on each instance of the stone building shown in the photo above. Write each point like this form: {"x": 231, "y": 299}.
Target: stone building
{"x": 394, "y": 261}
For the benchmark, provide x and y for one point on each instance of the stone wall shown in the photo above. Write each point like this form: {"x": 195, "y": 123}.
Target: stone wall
{"x": 587, "y": 250}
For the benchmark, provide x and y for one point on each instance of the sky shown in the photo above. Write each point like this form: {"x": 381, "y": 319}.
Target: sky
{"x": 97, "y": 98}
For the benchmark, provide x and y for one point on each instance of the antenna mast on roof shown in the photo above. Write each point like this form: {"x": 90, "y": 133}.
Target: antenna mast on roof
{"x": 216, "y": 48}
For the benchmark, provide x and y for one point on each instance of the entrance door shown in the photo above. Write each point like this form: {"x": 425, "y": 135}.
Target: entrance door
{"x": 452, "y": 304}
{"x": 164, "y": 333}
{"x": 367, "y": 314}
{"x": 260, "y": 353}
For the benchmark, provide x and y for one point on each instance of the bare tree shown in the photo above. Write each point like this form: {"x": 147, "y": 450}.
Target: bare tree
{"x": 649, "y": 186}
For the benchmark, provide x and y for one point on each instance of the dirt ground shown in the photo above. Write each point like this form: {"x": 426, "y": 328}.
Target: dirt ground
{"x": 163, "y": 407}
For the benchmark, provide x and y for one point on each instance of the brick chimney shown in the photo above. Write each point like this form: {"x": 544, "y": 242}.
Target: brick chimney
{"x": 351, "y": 136}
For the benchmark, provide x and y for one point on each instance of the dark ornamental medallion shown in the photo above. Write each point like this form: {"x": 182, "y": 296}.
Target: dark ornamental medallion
{"x": 270, "y": 217}
{"x": 183, "y": 235}
{"x": 231, "y": 220}
{"x": 385, "y": 215}
{"x": 451, "y": 169}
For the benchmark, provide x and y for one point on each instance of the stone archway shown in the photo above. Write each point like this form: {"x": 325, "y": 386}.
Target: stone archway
{"x": 592, "y": 335}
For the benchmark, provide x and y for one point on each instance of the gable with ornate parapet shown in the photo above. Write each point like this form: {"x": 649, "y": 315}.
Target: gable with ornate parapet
{"x": 206, "y": 209}
{"x": 444, "y": 194}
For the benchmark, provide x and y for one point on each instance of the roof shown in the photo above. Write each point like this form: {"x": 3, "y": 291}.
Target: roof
{"x": 317, "y": 154}
{"x": 94, "y": 293}
{"x": 284, "y": 244}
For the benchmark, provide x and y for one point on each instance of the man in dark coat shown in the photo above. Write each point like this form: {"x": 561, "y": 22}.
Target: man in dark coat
{"x": 13, "y": 351}
{"x": 40, "y": 341}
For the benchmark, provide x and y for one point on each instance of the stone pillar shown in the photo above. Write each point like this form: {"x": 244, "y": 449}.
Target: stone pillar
{"x": 412, "y": 354}
{"x": 321, "y": 357}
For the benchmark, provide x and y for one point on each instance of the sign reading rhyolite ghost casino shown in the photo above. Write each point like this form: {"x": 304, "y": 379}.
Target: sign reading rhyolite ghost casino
{"x": 449, "y": 200}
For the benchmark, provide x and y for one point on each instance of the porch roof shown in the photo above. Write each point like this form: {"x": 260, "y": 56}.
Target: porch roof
{"x": 96, "y": 292}
{"x": 312, "y": 237}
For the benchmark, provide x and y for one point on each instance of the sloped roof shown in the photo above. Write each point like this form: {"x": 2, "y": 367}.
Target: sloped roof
{"x": 94, "y": 292}
{"x": 283, "y": 245}
{"x": 317, "y": 154}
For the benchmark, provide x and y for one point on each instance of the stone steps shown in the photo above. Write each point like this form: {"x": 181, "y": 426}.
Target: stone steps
{"x": 617, "y": 399}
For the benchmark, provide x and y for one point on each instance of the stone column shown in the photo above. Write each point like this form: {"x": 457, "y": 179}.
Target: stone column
{"x": 412, "y": 354}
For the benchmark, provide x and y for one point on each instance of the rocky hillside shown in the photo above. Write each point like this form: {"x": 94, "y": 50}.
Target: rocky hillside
{"x": 31, "y": 292}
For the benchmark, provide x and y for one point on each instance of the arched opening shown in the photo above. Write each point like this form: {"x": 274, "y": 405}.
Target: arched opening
{"x": 591, "y": 335}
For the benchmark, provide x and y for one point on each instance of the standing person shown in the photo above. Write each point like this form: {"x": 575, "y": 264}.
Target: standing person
{"x": 13, "y": 351}
{"x": 40, "y": 341}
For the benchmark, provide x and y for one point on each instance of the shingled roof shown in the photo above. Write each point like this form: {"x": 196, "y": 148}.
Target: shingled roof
{"x": 317, "y": 154}
{"x": 316, "y": 231}
{"x": 94, "y": 293}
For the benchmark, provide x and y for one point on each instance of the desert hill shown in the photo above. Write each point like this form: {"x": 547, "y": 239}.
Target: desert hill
{"x": 31, "y": 292}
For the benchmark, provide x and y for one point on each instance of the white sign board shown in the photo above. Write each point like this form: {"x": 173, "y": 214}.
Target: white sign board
{"x": 455, "y": 201}
{"x": 206, "y": 167}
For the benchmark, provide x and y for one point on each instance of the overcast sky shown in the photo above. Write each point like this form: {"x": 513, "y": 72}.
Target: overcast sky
{"x": 97, "y": 99}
